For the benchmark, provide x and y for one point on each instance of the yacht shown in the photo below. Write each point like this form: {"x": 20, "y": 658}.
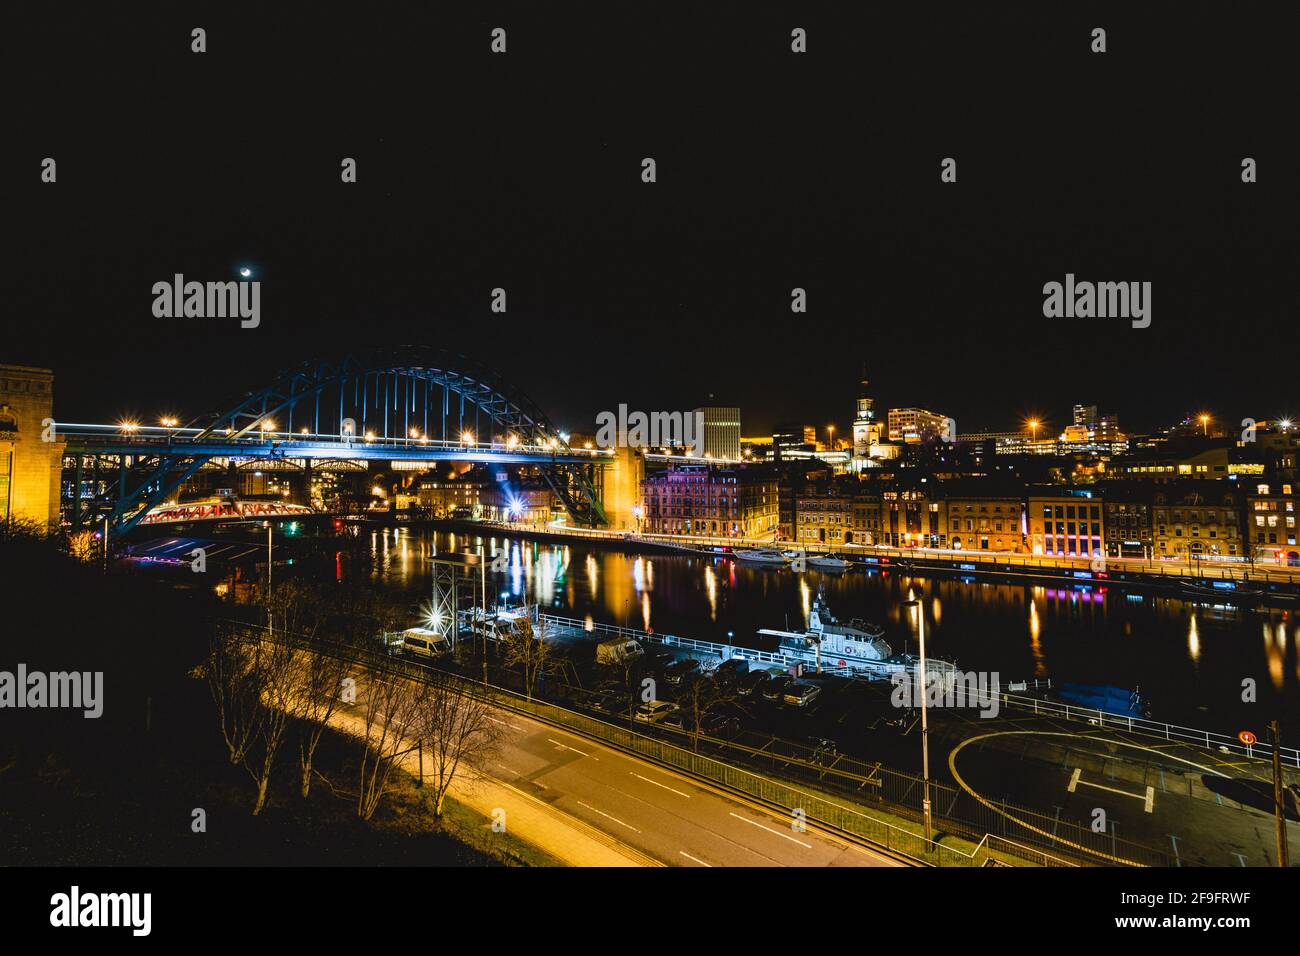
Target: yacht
{"x": 761, "y": 556}
{"x": 829, "y": 562}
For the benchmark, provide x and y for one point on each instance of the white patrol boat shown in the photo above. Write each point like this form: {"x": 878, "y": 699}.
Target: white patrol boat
{"x": 858, "y": 646}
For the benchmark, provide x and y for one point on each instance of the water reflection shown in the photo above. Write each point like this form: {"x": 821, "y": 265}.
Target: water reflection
{"x": 1184, "y": 657}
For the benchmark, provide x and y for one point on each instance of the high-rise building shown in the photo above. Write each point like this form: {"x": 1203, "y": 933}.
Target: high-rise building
{"x": 920, "y": 424}
{"x": 792, "y": 438}
{"x": 721, "y": 432}
{"x": 1085, "y": 415}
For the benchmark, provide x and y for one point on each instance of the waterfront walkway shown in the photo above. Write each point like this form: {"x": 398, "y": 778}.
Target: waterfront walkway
{"x": 957, "y": 560}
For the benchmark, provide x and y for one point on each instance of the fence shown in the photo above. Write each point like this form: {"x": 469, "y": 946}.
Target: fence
{"x": 1001, "y": 825}
{"x": 1208, "y": 739}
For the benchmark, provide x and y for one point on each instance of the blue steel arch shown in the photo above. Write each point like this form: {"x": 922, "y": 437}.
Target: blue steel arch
{"x": 387, "y": 393}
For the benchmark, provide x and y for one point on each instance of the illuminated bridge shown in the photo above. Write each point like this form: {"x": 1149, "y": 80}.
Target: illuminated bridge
{"x": 401, "y": 404}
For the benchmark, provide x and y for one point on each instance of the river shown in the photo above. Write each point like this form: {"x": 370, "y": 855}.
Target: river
{"x": 1192, "y": 662}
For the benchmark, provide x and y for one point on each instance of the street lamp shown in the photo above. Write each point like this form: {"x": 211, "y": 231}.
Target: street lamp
{"x": 1205, "y": 425}
{"x": 1033, "y": 425}
{"x": 925, "y": 729}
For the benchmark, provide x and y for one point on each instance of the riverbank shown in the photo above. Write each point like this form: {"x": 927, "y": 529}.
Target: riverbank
{"x": 1211, "y": 582}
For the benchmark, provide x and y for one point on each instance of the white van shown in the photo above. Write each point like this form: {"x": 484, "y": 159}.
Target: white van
{"x": 422, "y": 642}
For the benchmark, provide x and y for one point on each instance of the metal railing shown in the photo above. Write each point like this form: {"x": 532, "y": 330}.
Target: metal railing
{"x": 800, "y": 804}
{"x": 1210, "y": 740}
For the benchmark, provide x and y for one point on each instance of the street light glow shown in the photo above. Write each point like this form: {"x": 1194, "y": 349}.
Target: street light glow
{"x": 467, "y": 437}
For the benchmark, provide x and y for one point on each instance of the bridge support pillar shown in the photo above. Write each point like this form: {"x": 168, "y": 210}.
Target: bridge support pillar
{"x": 76, "y": 492}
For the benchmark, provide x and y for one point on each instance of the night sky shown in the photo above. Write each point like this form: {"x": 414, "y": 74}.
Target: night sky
{"x": 775, "y": 170}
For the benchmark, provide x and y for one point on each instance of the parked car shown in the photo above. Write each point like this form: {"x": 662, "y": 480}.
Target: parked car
{"x": 775, "y": 687}
{"x": 613, "y": 702}
{"x": 676, "y": 720}
{"x": 800, "y": 693}
{"x": 731, "y": 671}
{"x": 657, "y": 660}
{"x": 753, "y": 683}
{"x": 653, "y": 711}
{"x": 679, "y": 672}
{"x": 720, "y": 725}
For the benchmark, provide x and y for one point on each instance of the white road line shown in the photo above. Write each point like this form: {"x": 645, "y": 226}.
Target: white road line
{"x": 770, "y": 830}
{"x": 1122, "y": 793}
{"x": 696, "y": 859}
{"x": 658, "y": 784}
{"x": 574, "y": 749}
{"x": 504, "y": 723}
{"x": 607, "y": 816}
{"x": 510, "y": 769}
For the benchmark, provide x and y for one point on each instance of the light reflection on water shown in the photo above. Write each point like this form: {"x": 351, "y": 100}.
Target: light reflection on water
{"x": 1188, "y": 660}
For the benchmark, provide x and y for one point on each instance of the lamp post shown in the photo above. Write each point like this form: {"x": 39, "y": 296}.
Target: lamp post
{"x": 925, "y": 729}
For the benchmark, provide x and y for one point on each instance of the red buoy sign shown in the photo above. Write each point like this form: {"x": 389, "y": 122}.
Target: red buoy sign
{"x": 1247, "y": 738}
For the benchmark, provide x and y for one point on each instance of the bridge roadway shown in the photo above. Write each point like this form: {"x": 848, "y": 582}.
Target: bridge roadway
{"x": 116, "y": 440}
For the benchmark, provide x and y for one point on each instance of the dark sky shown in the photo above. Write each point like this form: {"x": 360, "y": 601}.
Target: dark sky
{"x": 775, "y": 171}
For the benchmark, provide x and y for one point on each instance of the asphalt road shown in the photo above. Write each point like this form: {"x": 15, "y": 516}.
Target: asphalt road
{"x": 663, "y": 814}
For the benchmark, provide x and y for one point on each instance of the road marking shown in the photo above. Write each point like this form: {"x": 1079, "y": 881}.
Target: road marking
{"x": 1123, "y": 793}
{"x": 504, "y": 723}
{"x": 696, "y": 859}
{"x": 981, "y": 739}
{"x": 607, "y": 816}
{"x": 770, "y": 830}
{"x": 574, "y": 749}
{"x": 510, "y": 769}
{"x": 658, "y": 784}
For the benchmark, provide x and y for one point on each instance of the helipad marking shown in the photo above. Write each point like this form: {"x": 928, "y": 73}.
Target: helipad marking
{"x": 952, "y": 768}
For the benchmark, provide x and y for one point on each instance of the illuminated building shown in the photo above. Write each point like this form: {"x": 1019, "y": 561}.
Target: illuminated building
{"x": 823, "y": 515}
{"x": 982, "y": 516}
{"x": 30, "y": 454}
{"x": 1128, "y": 531}
{"x": 1198, "y": 518}
{"x": 866, "y": 430}
{"x": 1271, "y": 510}
{"x": 702, "y": 499}
{"x": 919, "y": 424}
{"x": 1065, "y": 522}
{"x": 721, "y": 433}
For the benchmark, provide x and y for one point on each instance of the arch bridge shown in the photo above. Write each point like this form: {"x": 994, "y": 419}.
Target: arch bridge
{"x": 406, "y": 403}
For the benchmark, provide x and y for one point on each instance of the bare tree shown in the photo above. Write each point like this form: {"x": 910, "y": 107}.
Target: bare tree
{"x": 323, "y": 673}
{"x": 234, "y": 679}
{"x": 704, "y": 697}
{"x": 280, "y": 683}
{"x": 457, "y": 732}
{"x": 532, "y": 653}
{"x": 387, "y": 708}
